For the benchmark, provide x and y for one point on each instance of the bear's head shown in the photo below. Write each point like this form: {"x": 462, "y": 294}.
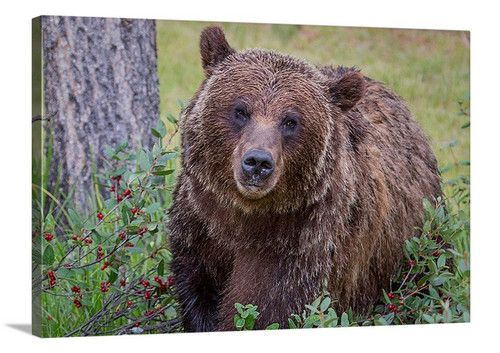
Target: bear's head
{"x": 264, "y": 127}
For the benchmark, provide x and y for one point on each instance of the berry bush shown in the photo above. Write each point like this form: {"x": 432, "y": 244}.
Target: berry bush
{"x": 108, "y": 272}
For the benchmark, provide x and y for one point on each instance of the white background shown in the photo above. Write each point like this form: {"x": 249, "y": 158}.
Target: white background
{"x": 15, "y": 114}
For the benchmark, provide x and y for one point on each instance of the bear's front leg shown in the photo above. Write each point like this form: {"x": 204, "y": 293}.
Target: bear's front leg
{"x": 278, "y": 285}
{"x": 198, "y": 292}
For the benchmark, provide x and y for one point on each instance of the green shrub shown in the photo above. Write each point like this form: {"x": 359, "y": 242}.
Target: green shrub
{"x": 108, "y": 272}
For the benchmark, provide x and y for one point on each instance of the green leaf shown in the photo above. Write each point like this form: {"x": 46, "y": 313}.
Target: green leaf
{"x": 49, "y": 224}
{"x": 152, "y": 208}
{"x": 389, "y": 318}
{"x": 164, "y": 172}
{"x": 239, "y": 323}
{"x": 144, "y": 160}
{"x": 427, "y": 226}
{"x": 156, "y": 133}
{"x": 344, "y": 320}
{"x": 86, "y": 301}
{"x": 112, "y": 276}
{"x": 432, "y": 266}
{"x": 75, "y": 218}
{"x": 312, "y": 308}
{"x": 122, "y": 145}
{"x": 171, "y": 118}
{"x": 386, "y": 297}
{"x": 325, "y": 304}
{"x": 119, "y": 171}
{"x": 170, "y": 312}
{"x": 109, "y": 151}
{"x": 439, "y": 280}
{"x": 161, "y": 128}
{"x": 429, "y": 319}
{"x": 137, "y": 176}
{"x": 110, "y": 203}
{"x": 311, "y": 320}
{"x": 433, "y": 292}
{"x": 67, "y": 273}
{"x": 380, "y": 322}
{"x": 239, "y": 307}
{"x": 274, "y": 326}
{"x": 48, "y": 255}
{"x": 161, "y": 268}
{"x": 441, "y": 261}
{"x": 96, "y": 236}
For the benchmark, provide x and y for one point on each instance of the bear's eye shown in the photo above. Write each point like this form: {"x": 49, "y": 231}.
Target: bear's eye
{"x": 239, "y": 114}
{"x": 289, "y": 125}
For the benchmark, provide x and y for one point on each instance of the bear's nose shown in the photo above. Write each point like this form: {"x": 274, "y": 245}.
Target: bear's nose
{"x": 257, "y": 164}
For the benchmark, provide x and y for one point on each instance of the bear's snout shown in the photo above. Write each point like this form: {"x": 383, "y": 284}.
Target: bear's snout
{"x": 257, "y": 165}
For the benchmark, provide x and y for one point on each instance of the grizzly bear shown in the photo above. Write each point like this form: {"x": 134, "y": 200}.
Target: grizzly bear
{"x": 293, "y": 178}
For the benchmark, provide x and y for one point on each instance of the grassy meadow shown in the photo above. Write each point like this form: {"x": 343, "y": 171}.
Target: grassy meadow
{"x": 429, "y": 69}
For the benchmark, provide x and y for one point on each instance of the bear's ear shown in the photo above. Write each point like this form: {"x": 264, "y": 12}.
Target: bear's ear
{"x": 348, "y": 90}
{"x": 214, "y": 48}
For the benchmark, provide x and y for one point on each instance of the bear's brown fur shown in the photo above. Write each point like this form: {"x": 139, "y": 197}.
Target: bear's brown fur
{"x": 292, "y": 175}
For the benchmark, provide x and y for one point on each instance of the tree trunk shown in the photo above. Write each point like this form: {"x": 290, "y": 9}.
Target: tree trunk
{"x": 101, "y": 81}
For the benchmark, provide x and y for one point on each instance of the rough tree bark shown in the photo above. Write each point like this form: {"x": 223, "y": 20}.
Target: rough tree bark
{"x": 100, "y": 77}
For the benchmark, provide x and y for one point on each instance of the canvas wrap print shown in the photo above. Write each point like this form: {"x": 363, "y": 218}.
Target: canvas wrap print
{"x": 192, "y": 176}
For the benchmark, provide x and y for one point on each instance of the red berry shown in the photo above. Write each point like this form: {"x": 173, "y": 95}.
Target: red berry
{"x": 126, "y": 193}
{"x": 391, "y": 296}
{"x": 49, "y": 236}
{"x": 436, "y": 253}
{"x": 49, "y": 318}
{"x": 100, "y": 215}
{"x": 129, "y": 303}
{"x": 105, "y": 286}
{"x": 170, "y": 280}
{"x": 123, "y": 283}
{"x": 112, "y": 188}
{"x": 391, "y": 307}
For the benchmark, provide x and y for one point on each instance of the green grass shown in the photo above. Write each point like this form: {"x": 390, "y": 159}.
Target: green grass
{"x": 429, "y": 69}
